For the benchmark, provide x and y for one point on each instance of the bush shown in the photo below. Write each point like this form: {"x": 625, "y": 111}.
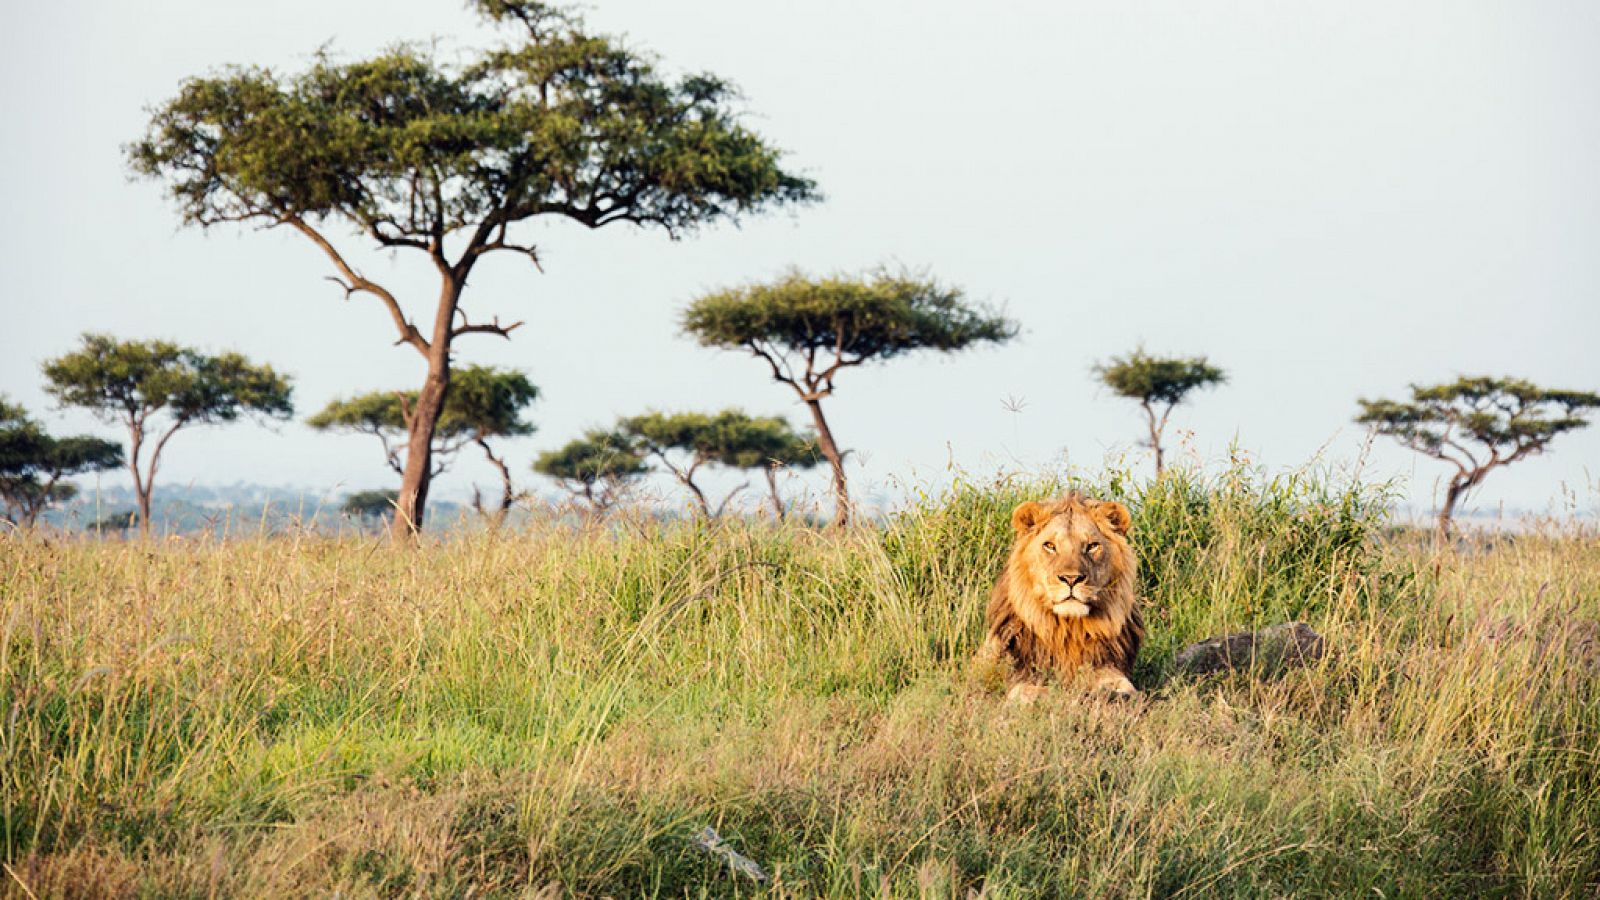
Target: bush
{"x": 1229, "y": 552}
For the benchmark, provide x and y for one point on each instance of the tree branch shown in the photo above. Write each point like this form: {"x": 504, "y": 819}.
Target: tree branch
{"x": 375, "y": 231}
{"x": 491, "y": 327}
{"x": 783, "y": 373}
{"x": 155, "y": 452}
{"x": 355, "y": 283}
{"x": 723, "y": 506}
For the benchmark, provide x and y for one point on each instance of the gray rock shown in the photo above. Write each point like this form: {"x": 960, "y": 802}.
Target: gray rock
{"x": 713, "y": 844}
{"x": 1269, "y": 650}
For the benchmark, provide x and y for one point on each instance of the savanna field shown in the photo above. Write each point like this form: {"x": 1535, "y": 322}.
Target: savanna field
{"x": 558, "y": 709}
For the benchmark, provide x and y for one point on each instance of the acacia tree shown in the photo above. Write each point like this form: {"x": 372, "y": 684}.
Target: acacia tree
{"x": 599, "y": 467}
{"x": 416, "y": 155}
{"x": 1157, "y": 382}
{"x": 685, "y": 442}
{"x": 156, "y": 388}
{"x": 381, "y": 414}
{"x": 1477, "y": 425}
{"x": 369, "y": 506}
{"x": 34, "y": 464}
{"x": 484, "y": 403}
{"x": 771, "y": 444}
{"x": 809, "y": 329}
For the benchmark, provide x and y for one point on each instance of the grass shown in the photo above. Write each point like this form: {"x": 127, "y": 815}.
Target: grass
{"x": 559, "y": 711}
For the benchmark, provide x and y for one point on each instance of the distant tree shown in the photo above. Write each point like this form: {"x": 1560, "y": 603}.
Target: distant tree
{"x": 440, "y": 159}
{"x": 382, "y": 415}
{"x": 116, "y": 522}
{"x": 599, "y": 467}
{"x": 369, "y": 505}
{"x": 155, "y": 388}
{"x": 1158, "y": 381}
{"x": 484, "y": 403}
{"x": 1477, "y": 425}
{"x": 685, "y": 442}
{"x": 33, "y": 465}
{"x": 772, "y": 445}
{"x": 808, "y": 329}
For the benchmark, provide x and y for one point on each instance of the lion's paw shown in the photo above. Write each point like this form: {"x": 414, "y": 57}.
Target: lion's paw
{"x": 1026, "y": 694}
{"x": 1116, "y": 686}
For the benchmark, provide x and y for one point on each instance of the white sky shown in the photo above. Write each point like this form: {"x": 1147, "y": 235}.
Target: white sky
{"x": 1331, "y": 200}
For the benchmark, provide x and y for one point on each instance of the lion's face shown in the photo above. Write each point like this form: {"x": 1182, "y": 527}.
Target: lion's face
{"x": 1074, "y": 553}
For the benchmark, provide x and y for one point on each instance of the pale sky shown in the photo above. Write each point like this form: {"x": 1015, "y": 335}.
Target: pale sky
{"x": 1330, "y": 200}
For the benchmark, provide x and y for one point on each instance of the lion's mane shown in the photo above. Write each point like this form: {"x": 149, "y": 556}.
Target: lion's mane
{"x": 1024, "y": 630}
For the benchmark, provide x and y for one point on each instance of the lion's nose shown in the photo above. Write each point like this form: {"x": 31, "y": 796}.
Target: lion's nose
{"x": 1073, "y": 579}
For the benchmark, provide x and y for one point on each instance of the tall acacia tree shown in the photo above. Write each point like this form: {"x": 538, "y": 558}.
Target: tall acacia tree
{"x": 685, "y": 442}
{"x": 156, "y": 388}
{"x": 413, "y": 154}
{"x": 1478, "y": 425}
{"x": 484, "y": 403}
{"x": 1158, "y": 383}
{"x": 810, "y": 329}
{"x": 34, "y": 465}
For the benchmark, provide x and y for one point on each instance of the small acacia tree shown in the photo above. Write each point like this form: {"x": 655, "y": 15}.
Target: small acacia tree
{"x": 484, "y": 403}
{"x": 685, "y": 442}
{"x": 1477, "y": 425}
{"x": 1158, "y": 382}
{"x": 34, "y": 464}
{"x": 599, "y": 468}
{"x": 771, "y": 445}
{"x": 443, "y": 160}
{"x": 809, "y": 329}
{"x": 156, "y": 388}
{"x": 369, "y": 506}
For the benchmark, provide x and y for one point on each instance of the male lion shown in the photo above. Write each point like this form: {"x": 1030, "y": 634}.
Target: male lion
{"x": 1065, "y": 600}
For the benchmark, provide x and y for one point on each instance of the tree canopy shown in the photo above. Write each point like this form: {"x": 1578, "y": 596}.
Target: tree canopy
{"x": 369, "y": 504}
{"x": 1478, "y": 424}
{"x": 1158, "y": 379}
{"x": 853, "y": 320}
{"x": 156, "y": 388}
{"x": 34, "y": 464}
{"x": 1153, "y": 381}
{"x": 599, "y": 467}
{"x": 686, "y": 441}
{"x": 809, "y": 329}
{"x": 444, "y": 158}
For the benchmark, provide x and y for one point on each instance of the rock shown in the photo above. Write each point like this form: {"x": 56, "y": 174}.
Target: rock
{"x": 712, "y": 843}
{"x": 1271, "y": 649}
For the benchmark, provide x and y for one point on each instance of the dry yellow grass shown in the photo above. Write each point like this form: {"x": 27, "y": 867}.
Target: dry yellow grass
{"x": 558, "y": 712}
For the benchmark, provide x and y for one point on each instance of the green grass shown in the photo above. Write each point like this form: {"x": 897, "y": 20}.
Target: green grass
{"x": 559, "y": 711}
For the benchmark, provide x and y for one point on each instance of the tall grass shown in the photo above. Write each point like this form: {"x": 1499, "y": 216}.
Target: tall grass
{"x": 559, "y": 711}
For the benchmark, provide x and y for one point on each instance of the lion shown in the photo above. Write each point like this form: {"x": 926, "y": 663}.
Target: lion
{"x": 1065, "y": 600}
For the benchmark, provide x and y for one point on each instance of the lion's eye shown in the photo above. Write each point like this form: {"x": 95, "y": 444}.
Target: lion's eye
{"x": 1049, "y": 546}
{"x": 1092, "y": 548}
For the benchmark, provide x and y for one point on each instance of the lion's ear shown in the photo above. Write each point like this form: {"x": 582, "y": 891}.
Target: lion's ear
{"x": 1116, "y": 515}
{"x": 1026, "y": 515}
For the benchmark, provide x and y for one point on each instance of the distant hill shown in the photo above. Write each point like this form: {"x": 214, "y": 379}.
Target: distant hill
{"x": 227, "y": 509}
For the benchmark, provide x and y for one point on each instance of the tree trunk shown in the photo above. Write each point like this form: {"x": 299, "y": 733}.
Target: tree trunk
{"x": 141, "y": 491}
{"x": 699, "y": 496}
{"x": 411, "y": 505}
{"x": 772, "y": 487}
{"x": 1452, "y": 494}
{"x": 1155, "y": 436}
{"x": 830, "y": 452}
{"x": 507, "y": 495}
